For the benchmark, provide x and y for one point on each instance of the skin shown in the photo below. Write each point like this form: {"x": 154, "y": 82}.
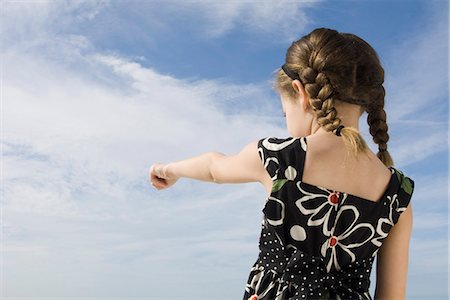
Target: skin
{"x": 351, "y": 175}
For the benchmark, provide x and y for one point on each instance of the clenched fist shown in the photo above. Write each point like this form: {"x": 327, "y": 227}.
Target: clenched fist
{"x": 160, "y": 178}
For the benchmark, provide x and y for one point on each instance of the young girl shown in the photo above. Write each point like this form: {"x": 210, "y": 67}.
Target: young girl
{"x": 331, "y": 202}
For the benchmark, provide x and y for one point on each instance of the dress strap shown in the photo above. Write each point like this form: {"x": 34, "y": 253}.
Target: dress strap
{"x": 283, "y": 158}
{"x": 400, "y": 200}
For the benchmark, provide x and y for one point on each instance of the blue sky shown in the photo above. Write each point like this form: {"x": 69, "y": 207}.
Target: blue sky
{"x": 94, "y": 92}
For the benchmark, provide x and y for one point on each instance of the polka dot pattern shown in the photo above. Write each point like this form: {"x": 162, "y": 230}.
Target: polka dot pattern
{"x": 298, "y": 233}
{"x": 305, "y": 277}
{"x": 290, "y": 173}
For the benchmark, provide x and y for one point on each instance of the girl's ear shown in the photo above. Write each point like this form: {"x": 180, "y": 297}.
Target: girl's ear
{"x": 301, "y": 93}
{"x": 297, "y": 85}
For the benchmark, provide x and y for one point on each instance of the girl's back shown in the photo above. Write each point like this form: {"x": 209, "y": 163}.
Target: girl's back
{"x": 331, "y": 202}
{"x": 364, "y": 176}
{"x": 318, "y": 238}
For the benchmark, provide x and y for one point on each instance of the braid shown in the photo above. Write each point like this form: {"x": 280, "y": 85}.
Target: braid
{"x": 376, "y": 119}
{"x": 322, "y": 98}
{"x": 321, "y": 93}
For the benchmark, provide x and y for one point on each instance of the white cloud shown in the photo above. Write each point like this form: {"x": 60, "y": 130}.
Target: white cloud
{"x": 32, "y": 23}
{"x": 80, "y": 129}
{"x": 209, "y": 19}
{"x": 281, "y": 18}
{"x": 430, "y": 144}
{"x": 94, "y": 132}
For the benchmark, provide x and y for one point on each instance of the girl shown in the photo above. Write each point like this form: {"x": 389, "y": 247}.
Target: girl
{"x": 331, "y": 202}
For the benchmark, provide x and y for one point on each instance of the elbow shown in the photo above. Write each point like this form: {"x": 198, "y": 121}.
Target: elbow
{"x": 213, "y": 169}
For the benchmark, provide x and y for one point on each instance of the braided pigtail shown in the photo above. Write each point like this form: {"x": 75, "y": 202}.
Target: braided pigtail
{"x": 376, "y": 119}
{"x": 322, "y": 100}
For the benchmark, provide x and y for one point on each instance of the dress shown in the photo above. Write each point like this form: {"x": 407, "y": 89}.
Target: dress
{"x": 317, "y": 243}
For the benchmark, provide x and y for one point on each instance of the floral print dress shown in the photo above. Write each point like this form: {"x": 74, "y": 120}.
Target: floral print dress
{"x": 318, "y": 243}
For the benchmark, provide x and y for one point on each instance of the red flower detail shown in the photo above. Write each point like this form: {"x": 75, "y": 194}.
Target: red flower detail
{"x": 334, "y": 198}
{"x": 333, "y": 241}
{"x": 253, "y": 297}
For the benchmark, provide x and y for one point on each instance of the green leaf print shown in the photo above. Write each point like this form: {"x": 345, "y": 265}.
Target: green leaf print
{"x": 407, "y": 186}
{"x": 277, "y": 184}
{"x": 405, "y": 182}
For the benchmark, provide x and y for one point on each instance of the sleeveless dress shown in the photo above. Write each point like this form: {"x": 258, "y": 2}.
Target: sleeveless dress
{"x": 318, "y": 243}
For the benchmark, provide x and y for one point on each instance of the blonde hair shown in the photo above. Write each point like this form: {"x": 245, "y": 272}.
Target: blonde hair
{"x": 340, "y": 67}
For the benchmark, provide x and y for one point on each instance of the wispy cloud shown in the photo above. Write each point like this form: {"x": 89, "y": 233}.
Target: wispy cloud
{"x": 429, "y": 255}
{"x": 416, "y": 102}
{"x": 417, "y": 73}
{"x": 82, "y": 125}
{"x": 79, "y": 135}
{"x": 431, "y": 220}
{"x": 281, "y": 18}
{"x": 211, "y": 19}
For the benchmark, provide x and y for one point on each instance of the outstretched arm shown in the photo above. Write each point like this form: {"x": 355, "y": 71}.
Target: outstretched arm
{"x": 216, "y": 167}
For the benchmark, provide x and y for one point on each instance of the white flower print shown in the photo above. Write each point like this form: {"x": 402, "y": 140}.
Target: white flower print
{"x": 346, "y": 240}
{"x": 393, "y": 205}
{"x": 319, "y": 211}
{"x": 267, "y": 161}
{"x": 275, "y": 211}
{"x": 275, "y": 146}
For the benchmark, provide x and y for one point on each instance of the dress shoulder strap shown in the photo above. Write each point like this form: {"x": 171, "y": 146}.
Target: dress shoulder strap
{"x": 283, "y": 158}
{"x": 401, "y": 198}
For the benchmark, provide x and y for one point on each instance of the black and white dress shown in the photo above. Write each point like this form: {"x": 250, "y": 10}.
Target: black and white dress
{"x": 318, "y": 243}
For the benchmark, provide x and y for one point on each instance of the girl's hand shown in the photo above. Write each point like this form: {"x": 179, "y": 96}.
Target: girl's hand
{"x": 160, "y": 178}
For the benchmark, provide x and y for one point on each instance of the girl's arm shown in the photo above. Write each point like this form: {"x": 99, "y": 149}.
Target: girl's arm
{"x": 245, "y": 166}
{"x": 392, "y": 260}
